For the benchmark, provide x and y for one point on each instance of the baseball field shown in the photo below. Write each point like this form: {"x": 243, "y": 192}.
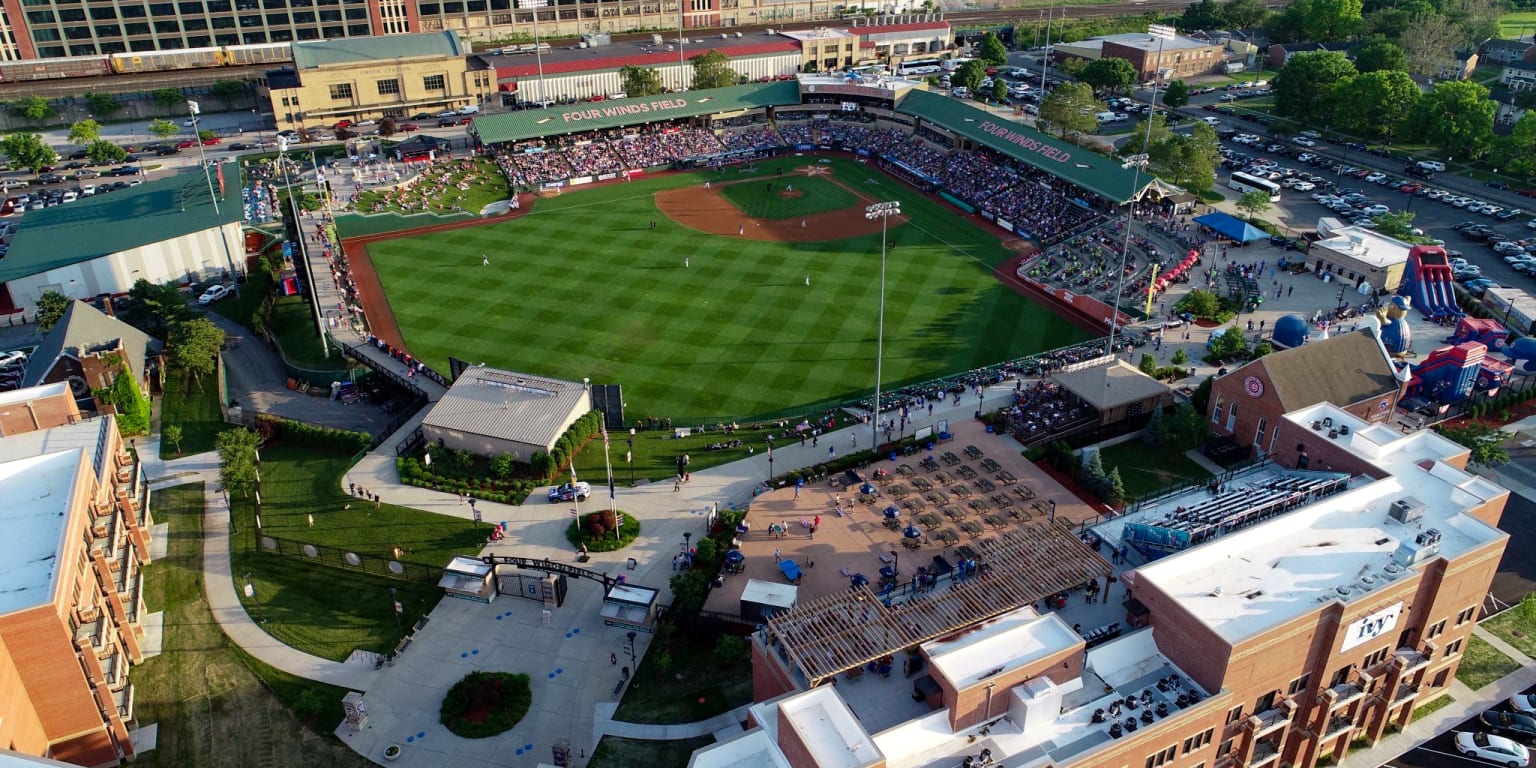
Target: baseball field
{"x": 718, "y": 294}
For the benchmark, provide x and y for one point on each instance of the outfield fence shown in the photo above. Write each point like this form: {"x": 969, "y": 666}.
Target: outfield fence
{"x": 348, "y": 560}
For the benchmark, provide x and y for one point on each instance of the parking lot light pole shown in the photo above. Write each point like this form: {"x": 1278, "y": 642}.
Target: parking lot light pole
{"x": 202, "y": 156}
{"x": 883, "y": 212}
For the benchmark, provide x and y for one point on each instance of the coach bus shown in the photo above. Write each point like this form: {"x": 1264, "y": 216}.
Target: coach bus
{"x": 1243, "y": 182}
{"x": 919, "y": 67}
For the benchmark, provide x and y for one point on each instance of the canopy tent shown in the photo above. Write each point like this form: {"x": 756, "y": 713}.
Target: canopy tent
{"x": 1231, "y": 227}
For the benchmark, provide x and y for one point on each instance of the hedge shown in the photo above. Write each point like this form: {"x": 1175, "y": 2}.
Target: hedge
{"x": 485, "y": 704}
{"x": 325, "y": 438}
{"x": 501, "y": 491}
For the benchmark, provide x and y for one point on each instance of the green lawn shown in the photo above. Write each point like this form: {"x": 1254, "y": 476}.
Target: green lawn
{"x": 215, "y": 706}
{"x": 1145, "y": 469}
{"x": 673, "y": 694}
{"x": 1517, "y": 626}
{"x": 240, "y": 308}
{"x": 1435, "y": 704}
{"x": 193, "y": 407}
{"x": 1517, "y": 25}
{"x": 768, "y": 200}
{"x": 581, "y": 287}
{"x": 616, "y": 752}
{"x": 325, "y": 610}
{"x": 293, "y": 323}
{"x": 486, "y": 184}
{"x": 1482, "y": 664}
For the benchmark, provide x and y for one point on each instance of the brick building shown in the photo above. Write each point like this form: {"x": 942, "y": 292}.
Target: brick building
{"x": 72, "y": 613}
{"x": 35, "y": 408}
{"x": 1175, "y": 58}
{"x": 1350, "y": 369}
{"x": 1276, "y": 618}
{"x": 88, "y": 350}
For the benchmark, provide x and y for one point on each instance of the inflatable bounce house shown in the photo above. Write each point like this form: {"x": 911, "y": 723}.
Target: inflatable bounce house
{"x": 1427, "y": 281}
{"x": 1290, "y": 331}
{"x": 1451, "y": 374}
{"x": 1490, "y": 333}
{"x": 1392, "y": 326}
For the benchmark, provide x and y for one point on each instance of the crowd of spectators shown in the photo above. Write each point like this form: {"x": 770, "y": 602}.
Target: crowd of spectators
{"x": 918, "y": 155}
{"x": 752, "y": 138}
{"x": 977, "y": 176}
{"x": 690, "y": 143}
{"x": 1041, "y": 206}
{"x": 592, "y": 158}
{"x": 529, "y": 165}
{"x": 795, "y": 134}
{"x": 1041, "y": 410}
{"x": 873, "y": 140}
{"x": 438, "y": 188}
{"x": 742, "y": 121}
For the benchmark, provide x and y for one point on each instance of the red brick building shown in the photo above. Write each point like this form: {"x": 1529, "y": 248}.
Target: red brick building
{"x": 1350, "y": 370}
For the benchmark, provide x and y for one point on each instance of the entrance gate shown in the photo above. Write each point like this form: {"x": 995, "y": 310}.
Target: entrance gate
{"x": 539, "y": 588}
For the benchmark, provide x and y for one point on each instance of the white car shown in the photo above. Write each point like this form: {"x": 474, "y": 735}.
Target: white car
{"x": 1432, "y": 165}
{"x": 1302, "y": 141}
{"x": 1497, "y": 749}
{"x": 1304, "y": 186}
{"x": 1376, "y": 210}
{"x": 1376, "y": 178}
{"x": 190, "y": 122}
{"x": 12, "y": 359}
{"x": 1211, "y": 121}
{"x": 1531, "y": 224}
{"x": 214, "y": 293}
{"x": 1524, "y": 703}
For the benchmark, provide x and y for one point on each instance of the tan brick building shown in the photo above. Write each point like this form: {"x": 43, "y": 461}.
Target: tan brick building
{"x": 1276, "y": 618}
{"x": 72, "y": 613}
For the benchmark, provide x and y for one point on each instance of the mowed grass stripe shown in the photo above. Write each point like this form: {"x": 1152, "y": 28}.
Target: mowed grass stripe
{"x": 765, "y": 200}
{"x": 583, "y": 287}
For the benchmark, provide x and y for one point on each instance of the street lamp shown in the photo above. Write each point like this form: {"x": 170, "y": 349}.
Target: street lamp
{"x": 629, "y": 456}
{"x": 396, "y": 606}
{"x": 896, "y": 562}
{"x": 633, "y": 663}
{"x": 192, "y": 111}
{"x": 1138, "y": 162}
{"x": 883, "y": 212}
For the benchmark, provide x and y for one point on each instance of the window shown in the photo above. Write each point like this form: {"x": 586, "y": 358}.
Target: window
{"x": 1165, "y": 756}
{"x": 1225, "y": 748}
{"x": 1216, "y": 412}
{"x": 1466, "y": 616}
{"x": 1197, "y": 741}
{"x": 390, "y": 87}
{"x": 1265, "y": 702}
{"x": 1375, "y": 658}
{"x": 341, "y": 91}
{"x": 1299, "y": 684}
{"x": 1341, "y": 677}
{"x": 433, "y": 82}
{"x": 1453, "y": 649}
{"x": 1234, "y": 715}
{"x": 1435, "y": 630}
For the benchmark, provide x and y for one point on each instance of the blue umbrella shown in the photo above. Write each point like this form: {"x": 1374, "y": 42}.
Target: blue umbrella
{"x": 858, "y": 580}
{"x": 892, "y": 513}
{"x": 734, "y": 556}
{"x": 912, "y": 532}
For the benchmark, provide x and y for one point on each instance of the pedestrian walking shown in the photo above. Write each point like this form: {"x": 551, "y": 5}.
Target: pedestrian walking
{"x": 485, "y": 261}
{"x": 802, "y": 439}
{"x": 685, "y": 262}
{"x": 741, "y": 230}
{"x": 797, "y": 491}
{"x": 1289, "y": 291}
{"x": 807, "y": 278}
{"x": 376, "y": 501}
{"x": 802, "y": 223}
{"x": 351, "y": 489}
{"x": 677, "y": 483}
{"x": 853, "y": 437}
{"x": 817, "y": 522}
{"x": 814, "y": 438}
{"x": 832, "y": 450}
{"x": 311, "y": 520}
{"x": 613, "y": 659}
{"x": 778, "y": 556}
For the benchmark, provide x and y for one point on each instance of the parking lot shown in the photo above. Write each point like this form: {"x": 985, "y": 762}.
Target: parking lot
{"x": 1442, "y": 750}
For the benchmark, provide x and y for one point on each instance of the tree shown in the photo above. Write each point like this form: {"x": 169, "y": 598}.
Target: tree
{"x": 639, "y": 81}
{"x": 1305, "y": 87}
{"x": 50, "y": 310}
{"x": 172, "y": 435}
{"x": 1379, "y": 101}
{"x": 229, "y": 91}
{"x": 205, "y": 134}
{"x": 1114, "y": 488}
{"x": 1516, "y": 153}
{"x": 1071, "y": 66}
{"x": 34, "y": 108}
{"x": 1391, "y": 23}
{"x": 1457, "y": 117}
{"x": 1149, "y": 132}
{"x": 84, "y": 132}
{"x": 999, "y": 90}
{"x": 1243, "y": 14}
{"x": 1148, "y": 365}
{"x": 712, "y": 70}
{"x": 237, "y": 460}
{"x": 1152, "y": 434}
{"x": 126, "y": 400}
{"x": 1109, "y": 75}
{"x": 1253, "y": 203}
{"x": 1398, "y": 225}
{"x": 1199, "y": 304}
{"x": 1184, "y": 427}
{"x": 154, "y": 309}
{"x": 1430, "y": 44}
{"x": 28, "y": 150}
{"x": 102, "y": 152}
{"x": 163, "y": 128}
{"x": 992, "y": 51}
{"x": 1486, "y": 443}
{"x": 103, "y": 104}
{"x": 970, "y": 74}
{"x": 388, "y": 127}
{"x": 1070, "y": 109}
{"x": 1176, "y": 94}
{"x": 1188, "y": 161}
{"x": 1329, "y": 20}
{"x": 1381, "y": 56}
{"x": 1261, "y": 349}
{"x": 193, "y": 348}
{"x": 729, "y": 649}
{"x": 1231, "y": 344}
{"x": 1205, "y": 14}
{"x": 168, "y": 98}
{"x": 1180, "y": 357}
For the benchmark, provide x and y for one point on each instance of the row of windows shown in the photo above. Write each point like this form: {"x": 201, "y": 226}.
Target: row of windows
{"x": 1190, "y": 744}
{"x": 148, "y": 44}
{"x": 390, "y": 87}
{"x": 75, "y": 15}
{"x": 201, "y": 6}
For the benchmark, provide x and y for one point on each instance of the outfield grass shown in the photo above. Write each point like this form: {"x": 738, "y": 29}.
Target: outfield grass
{"x": 765, "y": 201}
{"x": 216, "y": 707}
{"x": 1145, "y": 469}
{"x": 581, "y": 287}
{"x": 329, "y": 611}
{"x": 195, "y": 408}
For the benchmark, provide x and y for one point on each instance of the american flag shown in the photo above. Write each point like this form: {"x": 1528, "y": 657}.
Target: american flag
{"x": 613, "y": 491}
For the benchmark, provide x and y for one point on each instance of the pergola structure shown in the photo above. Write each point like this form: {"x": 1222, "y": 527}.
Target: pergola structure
{"x": 850, "y": 629}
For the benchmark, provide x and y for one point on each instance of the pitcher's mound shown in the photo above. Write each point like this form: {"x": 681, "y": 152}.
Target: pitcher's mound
{"x": 790, "y": 194}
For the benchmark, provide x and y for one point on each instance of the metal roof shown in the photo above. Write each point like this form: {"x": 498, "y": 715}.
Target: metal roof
{"x": 612, "y": 57}
{"x": 1111, "y": 385}
{"x": 601, "y": 115}
{"x": 83, "y": 330}
{"x": 350, "y": 50}
{"x": 507, "y": 406}
{"x": 101, "y": 225}
{"x": 1103, "y": 176}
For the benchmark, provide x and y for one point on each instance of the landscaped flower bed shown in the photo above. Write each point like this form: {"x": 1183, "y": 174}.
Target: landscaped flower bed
{"x": 485, "y": 704}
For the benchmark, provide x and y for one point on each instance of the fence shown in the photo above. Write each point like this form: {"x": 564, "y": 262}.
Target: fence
{"x": 336, "y": 557}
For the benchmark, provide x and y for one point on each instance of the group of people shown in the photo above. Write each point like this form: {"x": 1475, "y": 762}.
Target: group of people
{"x": 1041, "y": 409}
{"x": 440, "y": 187}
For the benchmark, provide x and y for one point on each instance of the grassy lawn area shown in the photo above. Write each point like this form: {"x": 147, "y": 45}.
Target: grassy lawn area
{"x": 1519, "y": 24}
{"x": 293, "y": 323}
{"x": 671, "y": 694}
{"x": 325, "y": 610}
{"x": 448, "y": 189}
{"x": 194, "y": 408}
{"x": 615, "y": 752}
{"x": 1145, "y": 469}
{"x": 736, "y": 335}
{"x": 1434, "y": 705}
{"x": 815, "y": 194}
{"x": 241, "y": 307}
{"x": 1517, "y": 626}
{"x": 656, "y": 452}
{"x": 215, "y": 706}
{"x": 1482, "y": 664}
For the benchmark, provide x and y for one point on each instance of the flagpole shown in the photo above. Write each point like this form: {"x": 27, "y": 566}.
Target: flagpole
{"x": 612, "y": 491}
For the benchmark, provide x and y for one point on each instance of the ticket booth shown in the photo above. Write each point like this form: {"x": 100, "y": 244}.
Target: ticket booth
{"x": 467, "y": 578}
{"x": 627, "y": 606}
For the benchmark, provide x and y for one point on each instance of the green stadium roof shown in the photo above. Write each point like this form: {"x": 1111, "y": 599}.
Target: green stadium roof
{"x": 347, "y": 50}
{"x": 104, "y": 224}
{"x": 596, "y": 116}
{"x": 1096, "y": 173}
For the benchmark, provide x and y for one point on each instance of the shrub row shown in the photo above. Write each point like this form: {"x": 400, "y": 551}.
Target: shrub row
{"x": 413, "y": 472}
{"x": 1505, "y": 400}
{"x": 325, "y": 438}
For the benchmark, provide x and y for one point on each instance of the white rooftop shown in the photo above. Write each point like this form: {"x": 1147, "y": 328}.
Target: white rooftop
{"x": 817, "y": 33}
{"x": 1000, "y": 645}
{"x": 468, "y": 565}
{"x": 87, "y": 435}
{"x": 826, "y": 726}
{"x": 1366, "y": 246}
{"x": 37, "y": 490}
{"x": 632, "y": 594}
{"x": 1338, "y": 548}
{"x": 32, "y": 393}
{"x": 508, "y": 405}
{"x": 1140, "y": 40}
{"x": 753, "y": 749}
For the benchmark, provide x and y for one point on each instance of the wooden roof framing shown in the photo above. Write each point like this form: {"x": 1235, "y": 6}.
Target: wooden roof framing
{"x": 849, "y": 629}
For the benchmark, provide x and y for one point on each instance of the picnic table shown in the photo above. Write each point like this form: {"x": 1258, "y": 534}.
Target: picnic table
{"x": 972, "y": 527}
{"x": 961, "y": 491}
{"x": 912, "y": 543}
{"x": 953, "y": 513}
{"x": 905, "y": 470}
{"x": 973, "y": 452}
{"x": 892, "y": 524}
{"x": 1024, "y": 492}
{"x": 1021, "y": 515}
{"x": 988, "y": 465}
{"x": 897, "y": 491}
{"x": 913, "y": 505}
{"x": 966, "y": 472}
{"x": 984, "y": 485}
{"x": 936, "y": 497}
{"x": 965, "y": 552}
{"x": 921, "y": 483}
{"x": 1006, "y": 477}
{"x": 947, "y": 536}
{"x": 950, "y": 459}
{"x": 980, "y": 505}
{"x": 929, "y": 520}
{"x": 1001, "y": 500}
{"x": 995, "y": 520}
{"x": 929, "y": 464}
{"x": 943, "y": 478}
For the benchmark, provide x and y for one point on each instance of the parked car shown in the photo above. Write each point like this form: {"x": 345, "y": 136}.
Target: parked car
{"x": 408, "y": 127}
{"x": 127, "y": 170}
{"x": 12, "y": 359}
{"x": 1524, "y": 703}
{"x": 567, "y": 492}
{"x": 1496, "y": 749}
{"x": 214, "y": 293}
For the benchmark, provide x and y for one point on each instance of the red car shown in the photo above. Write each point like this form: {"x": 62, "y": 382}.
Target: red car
{"x": 409, "y": 127}
{"x": 186, "y": 144}
{"x": 340, "y": 124}
{"x": 212, "y": 141}
{"x": 465, "y": 120}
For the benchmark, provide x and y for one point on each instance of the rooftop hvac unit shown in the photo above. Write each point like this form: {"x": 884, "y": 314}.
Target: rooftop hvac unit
{"x": 1419, "y": 550}
{"x": 1406, "y": 510}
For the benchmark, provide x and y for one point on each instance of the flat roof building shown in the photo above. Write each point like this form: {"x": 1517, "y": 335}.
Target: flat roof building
{"x": 77, "y": 535}
{"x": 1359, "y": 256}
{"x": 1319, "y": 604}
{"x": 1176, "y": 57}
{"x": 490, "y": 411}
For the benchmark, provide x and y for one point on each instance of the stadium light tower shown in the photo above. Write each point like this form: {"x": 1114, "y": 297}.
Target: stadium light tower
{"x": 883, "y": 212}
